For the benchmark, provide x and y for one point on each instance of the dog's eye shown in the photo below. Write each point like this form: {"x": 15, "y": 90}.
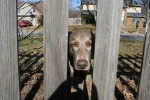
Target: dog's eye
{"x": 88, "y": 44}
{"x": 75, "y": 44}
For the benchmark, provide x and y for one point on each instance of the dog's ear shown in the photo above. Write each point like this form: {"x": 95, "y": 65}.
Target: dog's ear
{"x": 91, "y": 31}
{"x": 69, "y": 34}
{"x": 69, "y": 51}
{"x": 93, "y": 44}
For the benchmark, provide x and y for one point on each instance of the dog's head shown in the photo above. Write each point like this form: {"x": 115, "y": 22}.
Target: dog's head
{"x": 80, "y": 44}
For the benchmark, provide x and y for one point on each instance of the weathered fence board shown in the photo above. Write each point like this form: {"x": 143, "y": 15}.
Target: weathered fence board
{"x": 56, "y": 31}
{"x": 9, "y": 80}
{"x": 144, "y": 89}
{"x": 106, "y": 49}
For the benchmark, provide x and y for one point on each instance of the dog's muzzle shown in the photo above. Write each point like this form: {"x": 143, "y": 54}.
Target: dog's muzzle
{"x": 82, "y": 64}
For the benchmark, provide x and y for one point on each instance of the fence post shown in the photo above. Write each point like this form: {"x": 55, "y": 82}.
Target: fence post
{"x": 106, "y": 49}
{"x": 144, "y": 87}
{"x": 56, "y": 32}
{"x": 9, "y": 80}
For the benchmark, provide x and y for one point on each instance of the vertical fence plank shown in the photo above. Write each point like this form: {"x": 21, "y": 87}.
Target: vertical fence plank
{"x": 9, "y": 80}
{"x": 106, "y": 49}
{"x": 56, "y": 31}
{"x": 144, "y": 89}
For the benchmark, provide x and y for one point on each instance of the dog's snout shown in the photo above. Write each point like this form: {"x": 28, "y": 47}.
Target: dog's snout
{"x": 82, "y": 57}
{"x": 82, "y": 64}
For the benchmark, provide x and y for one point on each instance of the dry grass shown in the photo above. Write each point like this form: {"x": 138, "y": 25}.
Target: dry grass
{"x": 131, "y": 46}
{"x": 129, "y": 67}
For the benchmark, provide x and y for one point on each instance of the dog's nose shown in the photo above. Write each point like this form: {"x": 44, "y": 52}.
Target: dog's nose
{"x": 82, "y": 57}
{"x": 82, "y": 64}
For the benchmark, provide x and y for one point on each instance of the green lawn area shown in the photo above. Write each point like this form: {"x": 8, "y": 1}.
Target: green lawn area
{"x": 88, "y": 26}
{"x": 32, "y": 44}
{"x": 131, "y": 46}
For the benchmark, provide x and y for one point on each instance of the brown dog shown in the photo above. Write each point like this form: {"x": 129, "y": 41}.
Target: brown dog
{"x": 80, "y": 45}
{"x": 81, "y": 50}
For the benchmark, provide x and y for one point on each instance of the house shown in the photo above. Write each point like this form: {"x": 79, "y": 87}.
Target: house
{"x": 32, "y": 11}
{"x": 89, "y": 5}
{"x": 88, "y": 11}
{"x": 133, "y": 19}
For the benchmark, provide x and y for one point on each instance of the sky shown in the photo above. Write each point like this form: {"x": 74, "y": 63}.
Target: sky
{"x": 29, "y": 0}
{"x": 137, "y": 1}
{"x": 74, "y": 3}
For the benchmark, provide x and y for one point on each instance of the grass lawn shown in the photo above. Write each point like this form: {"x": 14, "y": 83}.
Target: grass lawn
{"x": 73, "y": 27}
{"x": 31, "y": 44}
{"x": 32, "y": 48}
{"x": 127, "y": 46}
{"x": 131, "y": 46}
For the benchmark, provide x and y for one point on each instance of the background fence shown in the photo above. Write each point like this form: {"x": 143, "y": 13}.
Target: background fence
{"x": 55, "y": 46}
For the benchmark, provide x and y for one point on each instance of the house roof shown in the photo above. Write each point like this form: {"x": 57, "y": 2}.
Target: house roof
{"x": 19, "y": 4}
{"x": 36, "y": 5}
{"x": 134, "y": 4}
{"x": 135, "y": 15}
{"x": 87, "y": 12}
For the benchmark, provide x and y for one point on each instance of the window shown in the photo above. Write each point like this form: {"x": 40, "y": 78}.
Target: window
{"x": 136, "y": 21}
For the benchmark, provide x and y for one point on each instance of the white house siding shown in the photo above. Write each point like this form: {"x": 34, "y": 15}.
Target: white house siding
{"x": 122, "y": 17}
{"x": 89, "y": 7}
{"x": 134, "y": 10}
{"x": 35, "y": 20}
{"x": 26, "y": 9}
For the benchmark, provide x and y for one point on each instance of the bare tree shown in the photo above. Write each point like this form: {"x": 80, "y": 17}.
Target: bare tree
{"x": 73, "y": 11}
{"x": 130, "y": 2}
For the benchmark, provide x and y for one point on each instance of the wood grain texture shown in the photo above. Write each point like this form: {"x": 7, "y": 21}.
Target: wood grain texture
{"x": 106, "y": 49}
{"x": 56, "y": 32}
{"x": 144, "y": 89}
{"x": 9, "y": 80}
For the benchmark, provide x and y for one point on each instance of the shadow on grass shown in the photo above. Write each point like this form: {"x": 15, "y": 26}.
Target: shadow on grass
{"x": 129, "y": 69}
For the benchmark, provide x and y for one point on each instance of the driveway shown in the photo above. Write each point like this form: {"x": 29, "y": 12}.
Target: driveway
{"x": 39, "y": 32}
{"x": 133, "y": 36}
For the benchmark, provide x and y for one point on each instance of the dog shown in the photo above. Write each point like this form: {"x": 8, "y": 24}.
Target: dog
{"x": 81, "y": 50}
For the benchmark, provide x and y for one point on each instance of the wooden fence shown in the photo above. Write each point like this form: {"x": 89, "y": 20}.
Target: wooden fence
{"x": 9, "y": 79}
{"x": 55, "y": 42}
{"x": 106, "y": 48}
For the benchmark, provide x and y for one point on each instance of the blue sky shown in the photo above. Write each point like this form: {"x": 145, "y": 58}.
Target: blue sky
{"x": 30, "y": 0}
{"x": 74, "y": 3}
